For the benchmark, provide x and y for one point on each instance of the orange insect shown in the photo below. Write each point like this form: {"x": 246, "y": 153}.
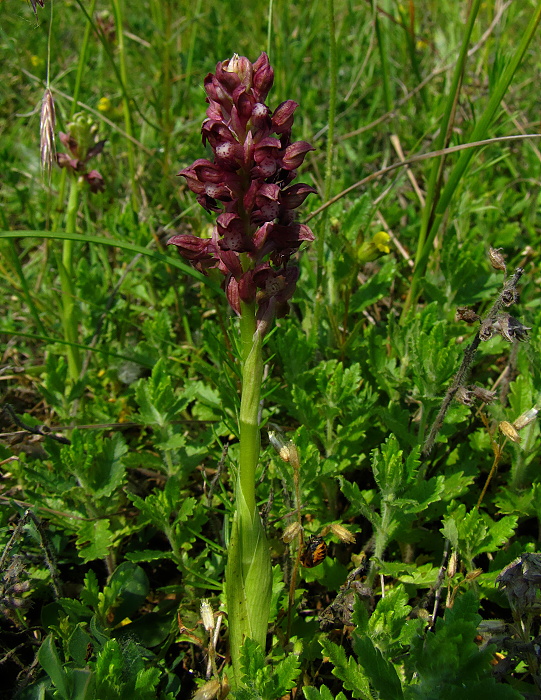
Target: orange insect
{"x": 314, "y": 552}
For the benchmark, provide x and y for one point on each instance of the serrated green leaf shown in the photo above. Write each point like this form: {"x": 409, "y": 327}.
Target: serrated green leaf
{"x": 148, "y": 555}
{"x": 94, "y": 539}
{"x": 347, "y": 670}
{"x": 359, "y": 503}
{"x": 322, "y": 693}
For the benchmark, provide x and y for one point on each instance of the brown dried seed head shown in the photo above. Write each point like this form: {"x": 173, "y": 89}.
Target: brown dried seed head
{"x": 464, "y": 396}
{"x": 46, "y": 133}
{"x": 510, "y": 328}
{"x": 472, "y": 575}
{"x": 487, "y": 329}
{"x": 463, "y": 313}
{"x": 496, "y": 259}
{"x": 483, "y": 395}
{"x": 509, "y": 297}
{"x": 452, "y": 564}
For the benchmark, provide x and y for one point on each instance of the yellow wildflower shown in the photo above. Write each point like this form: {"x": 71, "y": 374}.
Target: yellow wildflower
{"x": 104, "y": 104}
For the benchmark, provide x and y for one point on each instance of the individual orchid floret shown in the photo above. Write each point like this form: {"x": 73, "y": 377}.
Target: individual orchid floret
{"x": 248, "y": 184}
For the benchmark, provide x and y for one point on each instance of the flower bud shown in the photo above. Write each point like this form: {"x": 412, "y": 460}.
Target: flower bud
{"x": 282, "y": 118}
{"x": 295, "y": 154}
{"x": 263, "y": 77}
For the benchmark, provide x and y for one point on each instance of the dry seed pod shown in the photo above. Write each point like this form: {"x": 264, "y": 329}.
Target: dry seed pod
{"x": 486, "y": 331}
{"x": 280, "y": 445}
{"x": 510, "y": 328}
{"x": 464, "y": 396}
{"x": 291, "y": 532}
{"x": 525, "y": 419}
{"x": 483, "y": 395}
{"x": 343, "y": 534}
{"x": 463, "y": 313}
{"x": 496, "y": 259}
{"x": 452, "y": 564}
{"x": 207, "y": 615}
{"x": 509, "y": 297}
{"x": 509, "y": 431}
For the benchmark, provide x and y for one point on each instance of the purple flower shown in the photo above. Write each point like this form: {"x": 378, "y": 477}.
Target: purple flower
{"x": 247, "y": 184}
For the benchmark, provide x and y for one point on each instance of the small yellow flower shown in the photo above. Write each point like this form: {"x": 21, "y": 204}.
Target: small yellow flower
{"x": 36, "y": 61}
{"x": 380, "y": 240}
{"x": 104, "y": 104}
{"x": 375, "y": 248}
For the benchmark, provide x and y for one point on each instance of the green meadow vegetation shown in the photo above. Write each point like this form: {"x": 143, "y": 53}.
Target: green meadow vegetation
{"x": 301, "y": 460}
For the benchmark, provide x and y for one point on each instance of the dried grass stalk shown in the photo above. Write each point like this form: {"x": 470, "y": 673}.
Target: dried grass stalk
{"x": 46, "y": 133}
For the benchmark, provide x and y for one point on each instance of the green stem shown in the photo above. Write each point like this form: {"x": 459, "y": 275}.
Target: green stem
{"x": 435, "y": 178}
{"x": 82, "y": 64}
{"x": 67, "y": 277}
{"x": 479, "y": 132}
{"x": 323, "y": 231}
{"x": 252, "y": 376}
{"x": 126, "y": 101}
{"x": 269, "y": 26}
{"x": 248, "y": 584}
{"x": 384, "y": 59}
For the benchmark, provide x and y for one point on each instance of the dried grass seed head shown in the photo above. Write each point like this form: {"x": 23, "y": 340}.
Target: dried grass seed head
{"x": 46, "y": 133}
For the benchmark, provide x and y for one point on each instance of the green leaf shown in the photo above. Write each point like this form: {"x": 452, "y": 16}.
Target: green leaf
{"x": 82, "y": 684}
{"x": 347, "y": 670}
{"x": 447, "y": 663}
{"x": 126, "y": 245}
{"x": 158, "y": 404}
{"x": 322, "y": 693}
{"x": 359, "y": 502}
{"x": 148, "y": 555}
{"x": 94, "y": 539}
{"x": 475, "y": 532}
{"x": 380, "y": 672}
{"x": 126, "y": 591}
{"x": 50, "y": 660}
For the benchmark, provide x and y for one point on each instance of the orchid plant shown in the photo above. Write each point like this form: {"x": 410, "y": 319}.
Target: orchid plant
{"x": 248, "y": 185}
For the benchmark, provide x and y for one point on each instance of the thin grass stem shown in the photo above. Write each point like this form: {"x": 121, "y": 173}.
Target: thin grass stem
{"x": 436, "y": 171}
{"x": 117, "y": 12}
